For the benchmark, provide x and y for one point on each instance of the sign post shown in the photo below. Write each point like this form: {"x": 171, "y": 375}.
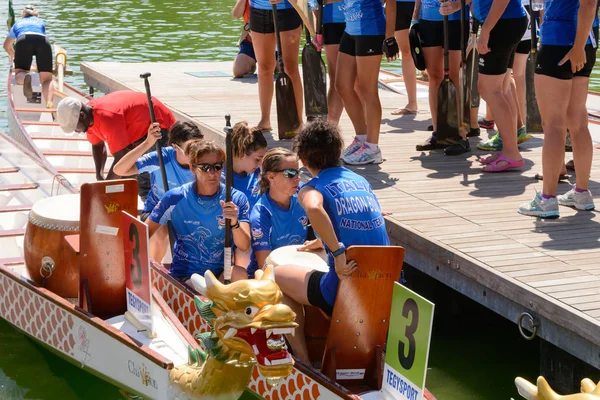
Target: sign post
{"x": 137, "y": 273}
{"x": 408, "y": 342}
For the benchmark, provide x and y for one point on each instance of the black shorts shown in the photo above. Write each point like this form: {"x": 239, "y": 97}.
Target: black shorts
{"x": 333, "y": 32}
{"x": 314, "y": 295}
{"x": 431, "y": 34}
{"x": 28, "y": 46}
{"x": 504, "y": 38}
{"x": 404, "y": 13}
{"x": 261, "y": 21}
{"x": 362, "y": 46}
{"x": 524, "y": 47}
{"x": 549, "y": 56}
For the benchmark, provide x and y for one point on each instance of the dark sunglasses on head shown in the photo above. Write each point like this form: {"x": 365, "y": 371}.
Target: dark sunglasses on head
{"x": 288, "y": 172}
{"x": 209, "y": 167}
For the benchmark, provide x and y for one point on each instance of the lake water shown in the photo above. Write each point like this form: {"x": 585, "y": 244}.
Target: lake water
{"x": 475, "y": 355}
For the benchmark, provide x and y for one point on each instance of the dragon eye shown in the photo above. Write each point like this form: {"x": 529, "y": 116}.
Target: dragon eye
{"x": 251, "y": 311}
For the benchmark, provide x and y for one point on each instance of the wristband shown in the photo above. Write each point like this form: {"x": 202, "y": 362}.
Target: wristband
{"x": 340, "y": 250}
{"x": 237, "y": 225}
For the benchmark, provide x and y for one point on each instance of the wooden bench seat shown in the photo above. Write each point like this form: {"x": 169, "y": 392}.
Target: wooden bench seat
{"x": 56, "y": 137}
{"x": 35, "y": 110}
{"x": 23, "y": 186}
{"x": 67, "y": 153}
{"x": 8, "y": 170}
{"x": 19, "y": 207}
{"x": 6, "y": 233}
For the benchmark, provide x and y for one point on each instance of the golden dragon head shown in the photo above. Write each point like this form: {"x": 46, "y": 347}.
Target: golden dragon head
{"x": 543, "y": 391}
{"x": 248, "y": 322}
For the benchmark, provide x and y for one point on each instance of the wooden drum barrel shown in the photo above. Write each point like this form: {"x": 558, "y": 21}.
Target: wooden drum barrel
{"x": 46, "y": 252}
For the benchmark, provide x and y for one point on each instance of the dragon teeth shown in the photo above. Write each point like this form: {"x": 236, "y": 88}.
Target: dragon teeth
{"x": 252, "y": 330}
{"x": 283, "y": 331}
{"x": 230, "y": 333}
{"x": 269, "y": 332}
{"x": 267, "y": 362}
{"x": 255, "y": 349}
{"x": 287, "y": 360}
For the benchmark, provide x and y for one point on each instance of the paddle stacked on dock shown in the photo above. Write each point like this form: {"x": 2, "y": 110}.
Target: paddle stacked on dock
{"x": 314, "y": 73}
{"x": 228, "y": 185}
{"x": 447, "y": 114}
{"x": 463, "y": 102}
{"x": 473, "y": 61}
{"x": 287, "y": 113}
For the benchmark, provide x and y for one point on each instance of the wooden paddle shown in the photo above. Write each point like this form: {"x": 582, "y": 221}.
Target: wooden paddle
{"x": 228, "y": 264}
{"x": 533, "y": 120}
{"x": 314, "y": 73}
{"x": 447, "y": 113}
{"x": 464, "y": 95}
{"x": 287, "y": 113}
{"x": 473, "y": 61}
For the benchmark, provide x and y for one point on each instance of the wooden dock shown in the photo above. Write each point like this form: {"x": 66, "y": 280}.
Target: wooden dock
{"x": 457, "y": 224}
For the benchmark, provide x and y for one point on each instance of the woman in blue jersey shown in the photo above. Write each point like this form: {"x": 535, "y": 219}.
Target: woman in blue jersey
{"x": 503, "y": 24}
{"x": 334, "y": 24}
{"x": 343, "y": 211}
{"x": 404, "y": 14}
{"x": 368, "y": 34}
{"x": 562, "y": 74}
{"x": 277, "y": 219}
{"x": 429, "y": 14}
{"x": 263, "y": 39}
{"x": 197, "y": 211}
{"x": 28, "y": 36}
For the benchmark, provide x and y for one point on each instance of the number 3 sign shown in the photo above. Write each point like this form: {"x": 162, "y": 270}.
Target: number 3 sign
{"x": 408, "y": 344}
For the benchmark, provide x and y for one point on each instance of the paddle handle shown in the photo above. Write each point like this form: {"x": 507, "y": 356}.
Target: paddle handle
{"x": 446, "y": 46}
{"x": 534, "y": 16}
{"x": 228, "y": 266}
{"x": 278, "y": 38}
{"x": 320, "y": 18}
{"x": 463, "y": 21}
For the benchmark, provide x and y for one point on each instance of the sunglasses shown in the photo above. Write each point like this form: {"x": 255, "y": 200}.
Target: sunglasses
{"x": 209, "y": 167}
{"x": 289, "y": 173}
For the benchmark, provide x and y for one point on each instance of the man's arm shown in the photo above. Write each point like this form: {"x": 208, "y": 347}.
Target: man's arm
{"x": 116, "y": 158}
{"x": 99, "y": 155}
{"x": 312, "y": 202}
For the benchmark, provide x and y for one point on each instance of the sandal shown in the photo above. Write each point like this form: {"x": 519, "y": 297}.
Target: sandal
{"x": 561, "y": 177}
{"x": 404, "y": 111}
{"x": 510, "y": 164}
{"x": 490, "y": 159}
{"x": 570, "y": 165}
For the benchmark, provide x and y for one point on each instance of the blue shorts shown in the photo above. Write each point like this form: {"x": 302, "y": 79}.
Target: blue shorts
{"x": 247, "y": 48}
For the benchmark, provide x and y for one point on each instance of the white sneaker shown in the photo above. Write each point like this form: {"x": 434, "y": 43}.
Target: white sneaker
{"x": 354, "y": 146}
{"x": 364, "y": 155}
{"x": 540, "y": 207}
{"x": 580, "y": 200}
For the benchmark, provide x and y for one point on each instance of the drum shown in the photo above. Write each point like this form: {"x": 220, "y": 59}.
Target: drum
{"x": 47, "y": 254}
{"x": 290, "y": 255}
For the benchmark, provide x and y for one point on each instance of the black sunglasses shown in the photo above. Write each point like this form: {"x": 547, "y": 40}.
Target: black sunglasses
{"x": 288, "y": 172}
{"x": 209, "y": 167}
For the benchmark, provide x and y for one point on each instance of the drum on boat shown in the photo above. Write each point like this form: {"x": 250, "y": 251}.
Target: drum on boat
{"x": 290, "y": 255}
{"x": 47, "y": 254}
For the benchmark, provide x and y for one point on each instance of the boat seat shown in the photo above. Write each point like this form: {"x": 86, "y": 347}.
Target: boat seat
{"x": 6, "y": 233}
{"x": 8, "y": 170}
{"x": 67, "y": 153}
{"x": 40, "y": 123}
{"x": 8, "y": 261}
{"x": 58, "y": 137}
{"x": 35, "y": 110}
{"x": 23, "y": 186}
{"x": 354, "y": 351}
{"x": 16, "y": 208}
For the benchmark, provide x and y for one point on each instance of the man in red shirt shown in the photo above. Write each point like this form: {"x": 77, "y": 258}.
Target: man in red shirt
{"x": 120, "y": 119}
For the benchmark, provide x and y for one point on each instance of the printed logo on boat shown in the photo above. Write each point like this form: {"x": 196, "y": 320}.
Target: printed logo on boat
{"x": 142, "y": 372}
{"x": 112, "y": 207}
{"x": 257, "y": 233}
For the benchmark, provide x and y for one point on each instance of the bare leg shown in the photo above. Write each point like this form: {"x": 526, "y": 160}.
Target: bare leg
{"x": 346, "y": 73}
{"x": 409, "y": 72}
{"x": 290, "y": 41}
{"x": 335, "y": 106}
{"x": 242, "y": 65}
{"x": 577, "y": 121}
{"x": 264, "y": 49}
{"x": 47, "y": 87}
{"x": 519, "y": 68}
{"x": 20, "y": 75}
{"x": 435, "y": 69}
{"x": 513, "y": 100}
{"x": 367, "y": 76}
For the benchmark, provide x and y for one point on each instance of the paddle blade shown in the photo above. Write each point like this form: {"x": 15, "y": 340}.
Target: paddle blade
{"x": 315, "y": 82}
{"x": 534, "y": 120}
{"x": 287, "y": 113}
{"x": 472, "y": 78}
{"x": 447, "y": 113}
{"x": 464, "y": 101}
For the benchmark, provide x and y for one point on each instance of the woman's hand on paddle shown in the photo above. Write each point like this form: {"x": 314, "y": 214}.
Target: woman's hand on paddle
{"x": 482, "y": 42}
{"x": 153, "y": 133}
{"x": 449, "y": 7}
{"x": 577, "y": 58}
{"x": 318, "y": 41}
{"x": 390, "y": 48}
{"x": 230, "y": 211}
{"x": 344, "y": 268}
{"x": 309, "y": 245}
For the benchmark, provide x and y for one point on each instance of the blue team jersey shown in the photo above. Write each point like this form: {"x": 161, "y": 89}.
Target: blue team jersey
{"x": 430, "y": 11}
{"x": 333, "y": 13}
{"x": 176, "y": 174}
{"x": 364, "y": 17}
{"x": 273, "y": 227}
{"x": 355, "y": 214}
{"x": 560, "y": 23}
{"x": 266, "y": 4}
{"x": 27, "y": 25}
{"x": 249, "y": 185}
{"x": 514, "y": 9}
{"x": 199, "y": 227}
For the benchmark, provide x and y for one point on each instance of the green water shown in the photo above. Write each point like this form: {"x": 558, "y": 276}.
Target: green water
{"x": 475, "y": 355}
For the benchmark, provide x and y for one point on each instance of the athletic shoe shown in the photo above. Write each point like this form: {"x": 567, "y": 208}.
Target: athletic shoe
{"x": 27, "y": 89}
{"x": 580, "y": 200}
{"x": 474, "y": 132}
{"x": 461, "y": 147}
{"x": 432, "y": 143}
{"x": 485, "y": 124}
{"x": 494, "y": 144}
{"x": 540, "y": 207}
{"x": 364, "y": 155}
{"x": 522, "y": 135}
{"x": 354, "y": 146}
{"x": 568, "y": 143}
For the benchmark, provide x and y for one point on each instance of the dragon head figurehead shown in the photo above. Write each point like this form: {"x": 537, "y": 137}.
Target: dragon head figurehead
{"x": 248, "y": 322}
{"x": 543, "y": 391}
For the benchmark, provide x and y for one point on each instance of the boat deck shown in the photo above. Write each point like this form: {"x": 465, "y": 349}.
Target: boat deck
{"x": 457, "y": 224}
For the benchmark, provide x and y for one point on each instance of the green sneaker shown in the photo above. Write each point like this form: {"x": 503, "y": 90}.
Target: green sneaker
{"x": 494, "y": 144}
{"x": 522, "y": 135}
